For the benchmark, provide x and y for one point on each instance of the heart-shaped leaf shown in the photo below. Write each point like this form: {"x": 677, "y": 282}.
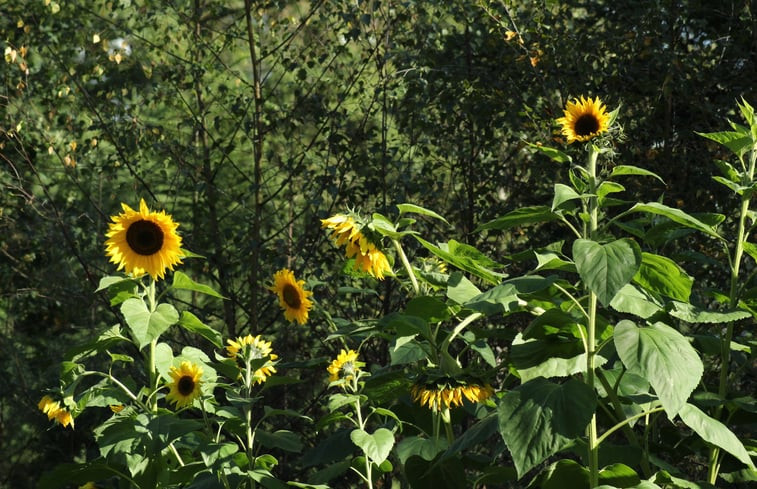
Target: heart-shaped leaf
{"x": 664, "y": 357}
{"x": 376, "y": 446}
{"x": 540, "y": 418}
{"x": 605, "y": 269}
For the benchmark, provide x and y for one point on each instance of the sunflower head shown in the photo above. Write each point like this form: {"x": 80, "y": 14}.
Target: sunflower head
{"x": 293, "y": 298}
{"x": 360, "y": 243}
{"x": 445, "y": 393}
{"x": 345, "y": 367}
{"x": 185, "y": 385}
{"x": 143, "y": 242}
{"x": 254, "y": 349}
{"x": 54, "y": 411}
{"x": 584, "y": 119}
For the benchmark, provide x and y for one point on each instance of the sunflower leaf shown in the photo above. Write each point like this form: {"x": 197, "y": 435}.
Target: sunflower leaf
{"x": 405, "y": 208}
{"x": 192, "y": 323}
{"x": 183, "y": 282}
{"x": 633, "y": 170}
{"x": 553, "y": 153}
{"x": 146, "y": 326}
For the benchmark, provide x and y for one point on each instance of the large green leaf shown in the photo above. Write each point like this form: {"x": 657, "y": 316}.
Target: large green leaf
{"x": 692, "y": 314}
{"x": 539, "y": 418}
{"x": 632, "y": 300}
{"x": 466, "y": 257}
{"x": 605, "y": 269}
{"x": 146, "y": 326}
{"x": 192, "y": 323}
{"x": 675, "y": 215}
{"x": 563, "y": 194}
{"x": 738, "y": 142}
{"x": 518, "y": 217}
{"x": 416, "y": 209}
{"x": 182, "y": 281}
{"x": 663, "y": 276}
{"x": 664, "y": 357}
{"x": 714, "y": 432}
{"x": 633, "y": 170}
{"x": 376, "y": 446}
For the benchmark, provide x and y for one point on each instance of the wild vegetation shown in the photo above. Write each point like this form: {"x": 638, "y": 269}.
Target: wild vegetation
{"x": 378, "y": 244}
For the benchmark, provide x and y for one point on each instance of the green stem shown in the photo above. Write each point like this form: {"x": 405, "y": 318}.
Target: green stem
{"x": 618, "y": 412}
{"x": 625, "y": 422}
{"x": 460, "y": 327}
{"x": 725, "y": 345}
{"x": 248, "y": 416}
{"x": 591, "y": 430}
{"x": 406, "y": 264}
{"x": 152, "y": 373}
{"x": 361, "y": 422}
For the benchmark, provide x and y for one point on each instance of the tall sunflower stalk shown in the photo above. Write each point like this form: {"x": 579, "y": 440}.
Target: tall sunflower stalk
{"x": 743, "y": 143}
{"x": 584, "y": 120}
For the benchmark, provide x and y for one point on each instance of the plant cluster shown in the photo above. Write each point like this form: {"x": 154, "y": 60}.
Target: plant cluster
{"x": 605, "y": 380}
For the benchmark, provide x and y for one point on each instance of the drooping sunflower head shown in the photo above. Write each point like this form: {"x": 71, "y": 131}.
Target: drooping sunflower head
{"x": 360, "y": 243}
{"x": 143, "y": 241}
{"x": 293, "y": 298}
{"x": 445, "y": 393}
{"x": 54, "y": 411}
{"x": 584, "y": 119}
{"x": 345, "y": 366}
{"x": 185, "y": 385}
{"x": 251, "y": 349}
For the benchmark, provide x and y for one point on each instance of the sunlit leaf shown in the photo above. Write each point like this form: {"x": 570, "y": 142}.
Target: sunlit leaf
{"x": 664, "y": 357}
{"x": 606, "y": 268}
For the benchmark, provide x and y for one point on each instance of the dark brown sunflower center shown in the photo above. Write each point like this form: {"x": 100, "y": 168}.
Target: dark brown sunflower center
{"x": 144, "y": 237}
{"x": 291, "y": 296}
{"x": 586, "y": 125}
{"x": 185, "y": 385}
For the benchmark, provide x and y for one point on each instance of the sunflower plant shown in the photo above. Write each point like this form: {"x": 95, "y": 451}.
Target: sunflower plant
{"x": 165, "y": 426}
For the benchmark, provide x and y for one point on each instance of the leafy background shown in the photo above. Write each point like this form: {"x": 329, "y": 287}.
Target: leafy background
{"x": 339, "y": 105}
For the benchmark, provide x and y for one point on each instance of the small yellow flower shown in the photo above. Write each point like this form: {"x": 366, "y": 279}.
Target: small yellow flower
{"x": 143, "y": 241}
{"x": 185, "y": 386}
{"x": 584, "y": 119}
{"x": 293, "y": 298}
{"x": 345, "y": 366}
{"x": 116, "y": 408}
{"x": 254, "y": 348}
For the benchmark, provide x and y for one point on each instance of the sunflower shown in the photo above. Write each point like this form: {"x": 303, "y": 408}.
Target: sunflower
{"x": 293, "y": 298}
{"x": 348, "y": 232}
{"x": 53, "y": 411}
{"x": 440, "y": 396}
{"x": 345, "y": 364}
{"x": 143, "y": 241}
{"x": 185, "y": 387}
{"x": 584, "y": 119}
{"x": 254, "y": 348}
